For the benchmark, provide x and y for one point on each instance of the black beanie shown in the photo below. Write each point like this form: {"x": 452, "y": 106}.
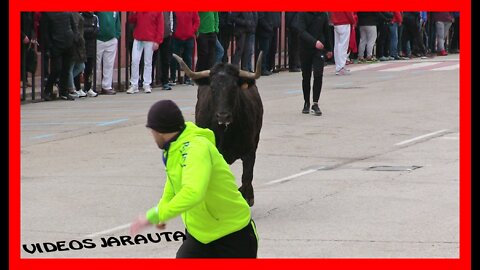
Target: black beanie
{"x": 164, "y": 116}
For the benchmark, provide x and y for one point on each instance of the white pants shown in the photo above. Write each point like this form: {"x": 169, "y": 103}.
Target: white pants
{"x": 147, "y": 48}
{"x": 342, "y": 39}
{"x": 368, "y": 36}
{"x": 106, "y": 52}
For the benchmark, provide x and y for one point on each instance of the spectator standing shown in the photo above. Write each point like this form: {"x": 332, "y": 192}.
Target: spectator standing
{"x": 206, "y": 40}
{"x": 367, "y": 23}
{"x": 393, "y": 29}
{"x": 147, "y": 37}
{"x": 225, "y": 32}
{"x": 90, "y": 31}
{"x": 313, "y": 30}
{"x": 107, "y": 43}
{"x": 245, "y": 24}
{"x": 342, "y": 22}
{"x": 185, "y": 26}
{"x": 58, "y": 34}
{"x": 443, "y": 21}
{"x": 455, "y": 39}
{"x": 293, "y": 56}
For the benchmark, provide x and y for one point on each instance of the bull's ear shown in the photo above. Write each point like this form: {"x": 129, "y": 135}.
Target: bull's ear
{"x": 245, "y": 83}
{"x": 203, "y": 81}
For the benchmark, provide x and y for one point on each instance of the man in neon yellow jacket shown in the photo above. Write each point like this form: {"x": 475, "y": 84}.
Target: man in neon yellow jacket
{"x": 201, "y": 188}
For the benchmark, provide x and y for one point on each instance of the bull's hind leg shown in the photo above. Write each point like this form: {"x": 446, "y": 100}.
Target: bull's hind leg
{"x": 248, "y": 161}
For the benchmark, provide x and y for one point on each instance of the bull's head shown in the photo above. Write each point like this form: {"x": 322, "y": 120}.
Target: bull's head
{"x": 226, "y": 81}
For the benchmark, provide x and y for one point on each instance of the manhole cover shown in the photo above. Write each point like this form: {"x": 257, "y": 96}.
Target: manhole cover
{"x": 393, "y": 168}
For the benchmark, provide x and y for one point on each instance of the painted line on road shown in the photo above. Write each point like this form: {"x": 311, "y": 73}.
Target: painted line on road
{"x": 42, "y": 136}
{"x": 118, "y": 228}
{"x": 421, "y": 137}
{"x": 113, "y": 122}
{"x": 285, "y": 179}
{"x": 294, "y": 92}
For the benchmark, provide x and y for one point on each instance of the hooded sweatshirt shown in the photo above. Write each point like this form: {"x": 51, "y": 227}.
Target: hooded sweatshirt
{"x": 200, "y": 187}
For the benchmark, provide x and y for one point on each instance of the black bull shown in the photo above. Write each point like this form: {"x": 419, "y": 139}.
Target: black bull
{"x": 229, "y": 104}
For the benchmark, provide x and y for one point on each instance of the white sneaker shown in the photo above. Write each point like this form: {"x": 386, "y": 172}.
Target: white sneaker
{"x": 132, "y": 90}
{"x": 80, "y": 93}
{"x": 92, "y": 93}
{"x": 147, "y": 89}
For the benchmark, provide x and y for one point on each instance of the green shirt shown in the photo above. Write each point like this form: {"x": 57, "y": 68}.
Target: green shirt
{"x": 109, "y": 25}
{"x": 208, "y": 22}
{"x": 201, "y": 188}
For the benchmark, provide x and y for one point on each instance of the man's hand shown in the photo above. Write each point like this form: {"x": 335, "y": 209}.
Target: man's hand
{"x": 138, "y": 224}
{"x": 26, "y": 40}
{"x": 319, "y": 45}
{"x": 329, "y": 55}
{"x": 155, "y": 46}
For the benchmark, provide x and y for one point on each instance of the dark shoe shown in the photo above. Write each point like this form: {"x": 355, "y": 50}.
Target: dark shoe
{"x": 316, "y": 110}
{"x": 67, "y": 96}
{"x": 166, "y": 87}
{"x": 276, "y": 70}
{"x": 294, "y": 70}
{"x": 108, "y": 92}
{"x": 188, "y": 82}
{"x": 306, "y": 108}
{"x": 48, "y": 96}
{"x": 266, "y": 73}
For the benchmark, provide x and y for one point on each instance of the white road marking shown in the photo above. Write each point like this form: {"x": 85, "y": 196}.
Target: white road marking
{"x": 421, "y": 137}
{"x": 452, "y": 67}
{"x": 407, "y": 67}
{"x": 118, "y": 228}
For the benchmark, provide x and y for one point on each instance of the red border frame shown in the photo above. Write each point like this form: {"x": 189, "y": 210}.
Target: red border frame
{"x": 464, "y": 6}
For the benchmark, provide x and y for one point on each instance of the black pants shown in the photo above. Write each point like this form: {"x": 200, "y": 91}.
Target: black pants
{"x": 312, "y": 60}
{"x": 206, "y": 51}
{"x": 240, "y": 244}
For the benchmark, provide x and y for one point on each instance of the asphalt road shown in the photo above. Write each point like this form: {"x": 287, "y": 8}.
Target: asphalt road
{"x": 377, "y": 176}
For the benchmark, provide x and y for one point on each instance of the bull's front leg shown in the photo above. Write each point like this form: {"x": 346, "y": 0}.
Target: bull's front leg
{"x": 248, "y": 161}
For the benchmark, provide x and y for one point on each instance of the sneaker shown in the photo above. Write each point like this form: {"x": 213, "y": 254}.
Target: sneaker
{"x": 188, "y": 82}
{"x": 92, "y": 93}
{"x": 442, "y": 53}
{"x": 266, "y": 73}
{"x": 172, "y": 83}
{"x": 132, "y": 90}
{"x": 343, "y": 71}
{"x": 316, "y": 109}
{"x": 383, "y": 58}
{"x": 166, "y": 87}
{"x": 306, "y": 108}
{"x": 147, "y": 89}
{"x": 67, "y": 96}
{"x": 80, "y": 93}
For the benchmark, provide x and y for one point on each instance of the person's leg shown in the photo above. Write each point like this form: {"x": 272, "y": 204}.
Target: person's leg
{"x": 394, "y": 40}
{"x": 363, "y": 42}
{"x": 440, "y": 36}
{"x": 136, "y": 55}
{"x": 342, "y": 38}
{"x": 108, "y": 63}
{"x": 306, "y": 64}
{"x": 240, "y": 43}
{"x": 219, "y": 51}
{"x": 371, "y": 38}
{"x": 240, "y": 244}
{"x": 165, "y": 57}
{"x": 192, "y": 248}
{"x": 148, "y": 60}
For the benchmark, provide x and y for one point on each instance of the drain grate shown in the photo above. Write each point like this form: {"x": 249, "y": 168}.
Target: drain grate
{"x": 393, "y": 168}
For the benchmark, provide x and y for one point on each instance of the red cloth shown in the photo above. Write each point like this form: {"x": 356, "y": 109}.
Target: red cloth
{"x": 148, "y": 26}
{"x": 352, "y": 44}
{"x": 186, "y": 25}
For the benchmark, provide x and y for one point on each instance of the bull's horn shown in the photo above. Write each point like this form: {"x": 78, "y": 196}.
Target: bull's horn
{"x": 192, "y": 75}
{"x": 258, "y": 69}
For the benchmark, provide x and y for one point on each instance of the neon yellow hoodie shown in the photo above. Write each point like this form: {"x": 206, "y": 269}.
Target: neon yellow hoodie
{"x": 201, "y": 187}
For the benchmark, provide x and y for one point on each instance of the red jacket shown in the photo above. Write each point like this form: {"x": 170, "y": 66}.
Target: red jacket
{"x": 339, "y": 18}
{"x": 148, "y": 26}
{"x": 397, "y": 17}
{"x": 185, "y": 25}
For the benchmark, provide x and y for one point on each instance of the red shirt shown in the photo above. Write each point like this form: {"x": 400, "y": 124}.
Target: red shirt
{"x": 148, "y": 26}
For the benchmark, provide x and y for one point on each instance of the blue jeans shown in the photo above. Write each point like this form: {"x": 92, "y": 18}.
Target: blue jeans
{"x": 75, "y": 69}
{"x": 218, "y": 52}
{"x": 184, "y": 49}
{"x": 393, "y": 28}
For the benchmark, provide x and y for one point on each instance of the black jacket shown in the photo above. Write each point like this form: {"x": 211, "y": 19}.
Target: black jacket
{"x": 90, "y": 31}
{"x": 58, "y": 31}
{"x": 245, "y": 22}
{"x": 313, "y": 26}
